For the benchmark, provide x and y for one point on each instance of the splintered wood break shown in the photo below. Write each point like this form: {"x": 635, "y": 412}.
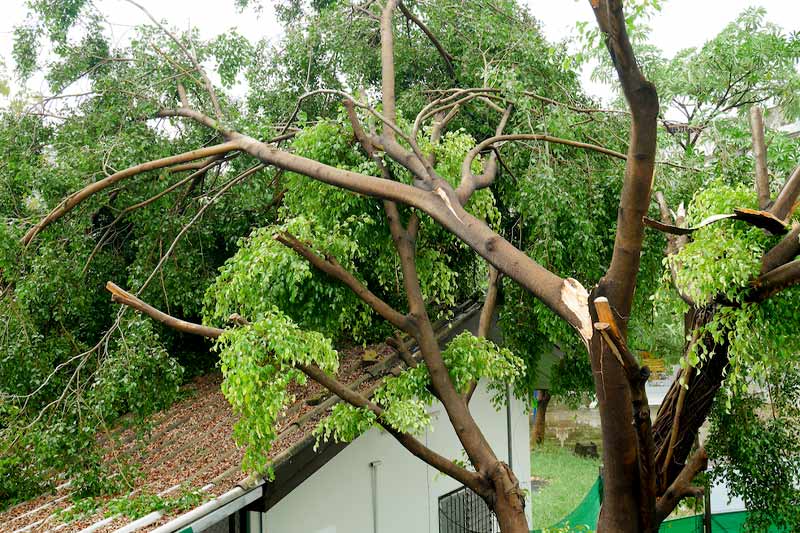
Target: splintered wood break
{"x": 760, "y": 219}
{"x": 576, "y": 298}
{"x": 606, "y": 316}
{"x": 439, "y": 192}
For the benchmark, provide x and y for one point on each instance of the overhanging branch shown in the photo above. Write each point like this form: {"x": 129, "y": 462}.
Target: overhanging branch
{"x": 71, "y": 201}
{"x": 330, "y": 266}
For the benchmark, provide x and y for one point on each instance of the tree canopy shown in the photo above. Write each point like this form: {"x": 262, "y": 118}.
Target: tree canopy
{"x": 379, "y": 164}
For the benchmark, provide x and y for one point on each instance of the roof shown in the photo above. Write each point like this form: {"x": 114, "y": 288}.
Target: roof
{"x": 190, "y": 447}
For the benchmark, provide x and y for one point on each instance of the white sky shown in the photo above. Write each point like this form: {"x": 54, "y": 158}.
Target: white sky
{"x": 681, "y": 24}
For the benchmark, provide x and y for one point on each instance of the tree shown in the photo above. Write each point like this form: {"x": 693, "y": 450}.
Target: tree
{"x": 648, "y": 466}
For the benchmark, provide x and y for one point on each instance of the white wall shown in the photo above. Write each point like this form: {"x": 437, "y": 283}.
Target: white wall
{"x": 338, "y": 497}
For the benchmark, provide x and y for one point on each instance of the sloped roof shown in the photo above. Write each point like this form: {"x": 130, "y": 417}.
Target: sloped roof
{"x": 190, "y": 447}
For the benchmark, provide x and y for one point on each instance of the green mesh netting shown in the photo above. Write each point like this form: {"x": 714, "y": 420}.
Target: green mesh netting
{"x": 584, "y": 518}
{"x": 720, "y": 523}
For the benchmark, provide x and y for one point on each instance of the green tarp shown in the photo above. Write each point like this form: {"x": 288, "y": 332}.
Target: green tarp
{"x": 584, "y": 518}
{"x": 720, "y": 523}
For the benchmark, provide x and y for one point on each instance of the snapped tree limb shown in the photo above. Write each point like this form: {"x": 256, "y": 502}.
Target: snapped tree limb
{"x": 760, "y": 155}
{"x": 71, "y": 201}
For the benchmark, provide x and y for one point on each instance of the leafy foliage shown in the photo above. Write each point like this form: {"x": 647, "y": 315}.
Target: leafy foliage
{"x": 258, "y": 361}
{"x": 405, "y": 398}
{"x": 758, "y": 460}
{"x": 722, "y": 258}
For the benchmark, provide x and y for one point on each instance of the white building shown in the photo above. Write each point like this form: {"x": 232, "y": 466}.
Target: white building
{"x": 374, "y": 485}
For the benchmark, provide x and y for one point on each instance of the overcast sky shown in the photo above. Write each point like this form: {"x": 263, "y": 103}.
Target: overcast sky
{"x": 681, "y": 24}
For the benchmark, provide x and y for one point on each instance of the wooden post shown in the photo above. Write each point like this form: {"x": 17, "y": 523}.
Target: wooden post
{"x": 707, "y": 507}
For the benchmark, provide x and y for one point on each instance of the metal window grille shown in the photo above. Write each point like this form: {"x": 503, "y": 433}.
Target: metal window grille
{"x": 463, "y": 511}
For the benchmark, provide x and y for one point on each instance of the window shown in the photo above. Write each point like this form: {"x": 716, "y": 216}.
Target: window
{"x": 463, "y": 511}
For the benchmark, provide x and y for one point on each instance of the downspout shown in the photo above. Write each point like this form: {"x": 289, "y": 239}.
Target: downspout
{"x": 374, "y": 481}
{"x": 508, "y": 427}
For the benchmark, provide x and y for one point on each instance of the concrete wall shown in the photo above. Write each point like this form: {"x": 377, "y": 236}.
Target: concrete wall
{"x": 339, "y": 497}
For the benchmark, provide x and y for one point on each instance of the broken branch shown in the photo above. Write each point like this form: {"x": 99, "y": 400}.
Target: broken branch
{"x": 71, "y": 201}
{"x": 760, "y": 155}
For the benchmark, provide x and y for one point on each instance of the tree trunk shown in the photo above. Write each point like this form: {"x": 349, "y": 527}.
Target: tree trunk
{"x": 539, "y": 423}
{"x": 509, "y": 504}
{"x": 620, "y": 509}
{"x": 703, "y": 385}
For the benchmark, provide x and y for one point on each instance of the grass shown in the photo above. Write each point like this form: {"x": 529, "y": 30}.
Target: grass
{"x": 568, "y": 477}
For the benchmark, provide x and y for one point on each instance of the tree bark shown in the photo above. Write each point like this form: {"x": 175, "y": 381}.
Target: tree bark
{"x": 624, "y": 503}
{"x": 539, "y": 424}
{"x": 620, "y": 508}
{"x": 509, "y": 504}
{"x": 703, "y": 385}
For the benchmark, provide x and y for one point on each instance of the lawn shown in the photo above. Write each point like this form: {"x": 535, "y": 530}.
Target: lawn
{"x": 568, "y": 477}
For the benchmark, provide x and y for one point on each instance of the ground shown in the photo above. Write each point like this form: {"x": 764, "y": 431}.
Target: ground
{"x": 565, "y": 477}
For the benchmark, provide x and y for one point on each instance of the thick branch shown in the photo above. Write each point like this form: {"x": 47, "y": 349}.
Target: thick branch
{"x": 469, "y": 434}
{"x": 564, "y": 297}
{"x": 775, "y": 281}
{"x": 637, "y": 379}
{"x": 387, "y": 64}
{"x": 682, "y": 486}
{"x": 123, "y": 297}
{"x": 785, "y": 202}
{"x": 760, "y": 155}
{"x": 76, "y": 198}
{"x": 620, "y": 280}
{"x": 783, "y": 252}
{"x": 331, "y": 267}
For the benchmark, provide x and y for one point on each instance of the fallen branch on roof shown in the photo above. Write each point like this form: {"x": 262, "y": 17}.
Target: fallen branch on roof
{"x": 471, "y": 479}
